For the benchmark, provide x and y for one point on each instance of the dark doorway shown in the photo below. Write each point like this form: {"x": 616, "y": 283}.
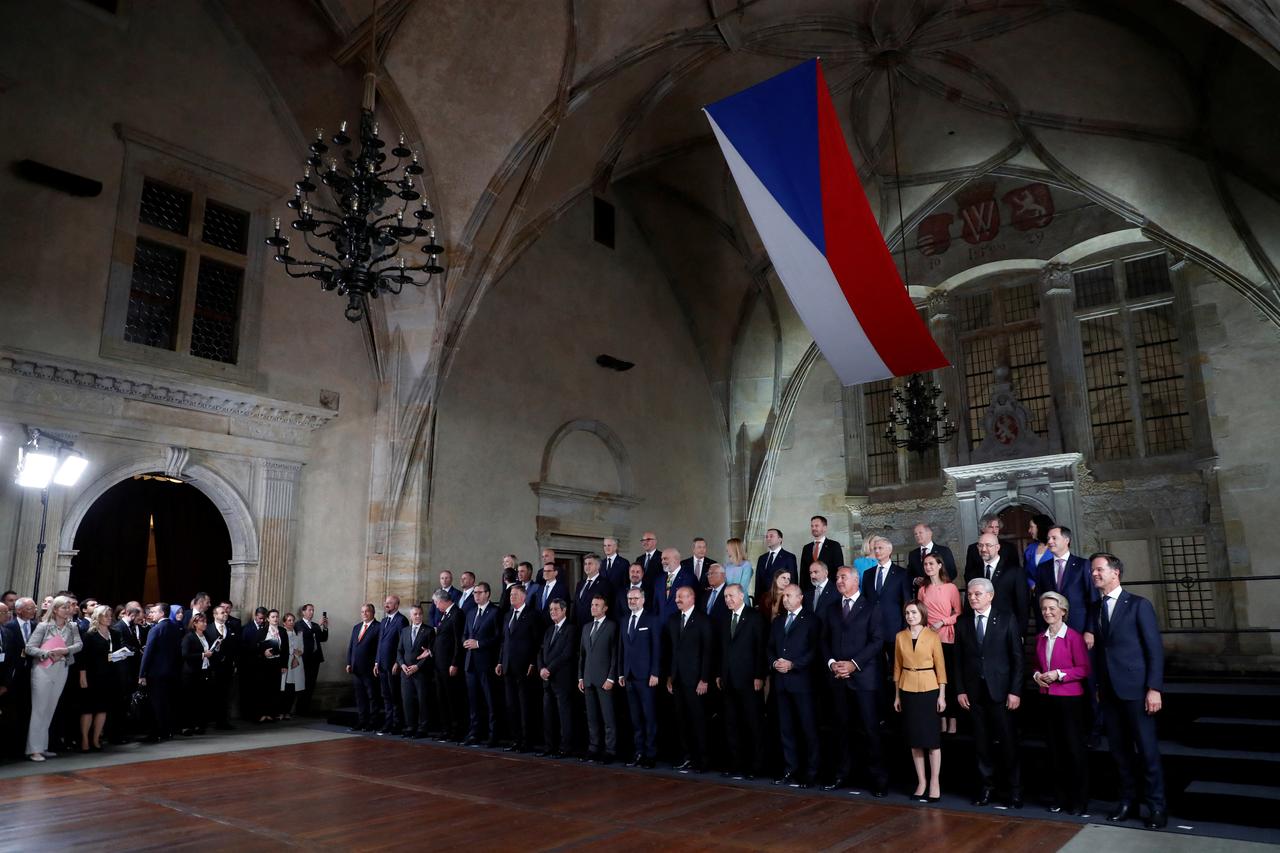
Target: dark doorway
{"x": 1016, "y": 520}
{"x": 151, "y": 538}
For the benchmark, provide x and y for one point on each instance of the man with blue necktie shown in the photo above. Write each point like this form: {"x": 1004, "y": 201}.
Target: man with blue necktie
{"x": 385, "y": 667}
{"x": 640, "y": 652}
{"x": 792, "y": 650}
{"x": 480, "y": 638}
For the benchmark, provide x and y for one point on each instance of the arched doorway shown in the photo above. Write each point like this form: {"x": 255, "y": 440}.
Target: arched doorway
{"x": 1015, "y": 520}
{"x": 151, "y": 537}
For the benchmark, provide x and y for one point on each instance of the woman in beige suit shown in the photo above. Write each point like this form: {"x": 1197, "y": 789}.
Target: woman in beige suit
{"x": 920, "y": 678}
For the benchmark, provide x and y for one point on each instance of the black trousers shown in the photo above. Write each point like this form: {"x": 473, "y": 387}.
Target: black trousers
{"x": 691, "y": 718}
{"x": 451, "y": 704}
{"x": 993, "y": 735}
{"x": 160, "y": 690}
{"x": 484, "y": 713}
{"x": 799, "y": 733}
{"x": 368, "y": 701}
{"x": 744, "y": 726}
{"x": 517, "y": 690}
{"x": 220, "y": 693}
{"x": 1131, "y": 736}
{"x": 557, "y": 716}
{"x": 643, "y": 712}
{"x": 197, "y": 692}
{"x": 389, "y": 686}
{"x": 1065, "y": 720}
{"x": 415, "y": 691}
{"x": 311, "y": 672}
{"x": 858, "y": 713}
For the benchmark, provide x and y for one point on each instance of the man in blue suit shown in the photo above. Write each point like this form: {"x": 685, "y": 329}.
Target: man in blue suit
{"x": 592, "y": 584}
{"x": 480, "y": 638}
{"x": 776, "y": 559}
{"x": 672, "y": 577}
{"x": 549, "y": 589}
{"x": 1068, "y": 575}
{"x": 635, "y": 580}
{"x": 455, "y": 595}
{"x": 888, "y": 587}
{"x": 793, "y": 647}
{"x": 161, "y": 665}
{"x": 385, "y": 666}
{"x": 851, "y": 649}
{"x": 362, "y": 655}
{"x": 640, "y": 660}
{"x": 1128, "y": 658}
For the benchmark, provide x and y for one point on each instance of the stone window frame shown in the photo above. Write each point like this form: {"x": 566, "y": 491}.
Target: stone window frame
{"x": 911, "y": 469}
{"x": 147, "y": 157}
{"x": 1221, "y": 605}
{"x": 1126, "y": 307}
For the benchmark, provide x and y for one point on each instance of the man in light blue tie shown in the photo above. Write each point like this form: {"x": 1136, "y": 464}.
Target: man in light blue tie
{"x": 713, "y": 603}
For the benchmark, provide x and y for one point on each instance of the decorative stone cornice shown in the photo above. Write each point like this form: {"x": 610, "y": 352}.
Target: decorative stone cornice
{"x": 107, "y": 379}
{"x": 554, "y": 490}
{"x": 966, "y": 477}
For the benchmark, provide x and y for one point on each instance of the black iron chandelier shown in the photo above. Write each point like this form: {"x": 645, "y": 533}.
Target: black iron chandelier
{"x": 359, "y": 233}
{"x": 915, "y": 421}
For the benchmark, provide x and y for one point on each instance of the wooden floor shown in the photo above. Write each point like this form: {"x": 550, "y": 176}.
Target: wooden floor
{"x": 363, "y": 793}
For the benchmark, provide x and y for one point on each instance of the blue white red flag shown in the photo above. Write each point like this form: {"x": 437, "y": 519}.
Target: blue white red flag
{"x": 789, "y": 158}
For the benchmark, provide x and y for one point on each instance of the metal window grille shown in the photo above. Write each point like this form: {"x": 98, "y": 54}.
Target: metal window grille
{"x": 1166, "y": 421}
{"x": 1106, "y": 377}
{"x": 217, "y": 308}
{"x": 1095, "y": 287}
{"x": 980, "y": 357}
{"x": 1188, "y": 603}
{"x": 1029, "y": 370}
{"x": 882, "y": 457}
{"x": 975, "y": 311}
{"x": 165, "y": 207}
{"x": 1147, "y": 276}
{"x": 1019, "y": 304}
{"x": 225, "y": 227}
{"x": 154, "y": 295}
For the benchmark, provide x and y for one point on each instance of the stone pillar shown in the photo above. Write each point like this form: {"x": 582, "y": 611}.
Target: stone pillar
{"x": 942, "y": 327}
{"x": 1066, "y": 362}
{"x": 244, "y": 576}
{"x": 855, "y": 440}
{"x": 277, "y": 498}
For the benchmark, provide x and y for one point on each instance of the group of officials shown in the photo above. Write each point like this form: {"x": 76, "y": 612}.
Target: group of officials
{"x": 803, "y": 672}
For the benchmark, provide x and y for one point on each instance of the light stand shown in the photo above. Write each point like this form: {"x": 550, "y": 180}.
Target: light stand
{"x": 40, "y": 546}
{"x": 37, "y": 468}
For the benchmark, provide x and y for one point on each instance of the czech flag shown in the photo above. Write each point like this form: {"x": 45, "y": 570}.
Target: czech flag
{"x": 788, "y": 156}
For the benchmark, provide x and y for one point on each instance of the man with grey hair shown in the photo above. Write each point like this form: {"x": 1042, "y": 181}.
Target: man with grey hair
{"x": 614, "y": 566}
{"x": 987, "y": 682}
{"x": 1007, "y": 578}
{"x": 17, "y": 699}
{"x": 447, "y": 656}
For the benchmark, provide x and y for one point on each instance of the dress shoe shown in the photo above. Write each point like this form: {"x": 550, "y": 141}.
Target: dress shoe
{"x": 936, "y": 799}
{"x": 606, "y": 759}
{"x": 511, "y": 747}
{"x": 1121, "y": 813}
{"x": 725, "y": 774}
{"x": 785, "y": 779}
{"x": 1054, "y": 809}
{"x": 880, "y": 793}
{"x": 835, "y": 784}
{"x": 635, "y": 760}
{"x": 470, "y": 741}
{"x": 984, "y": 798}
{"x": 1015, "y": 802}
{"x": 408, "y": 735}
{"x": 355, "y": 730}
{"x": 685, "y": 767}
{"x": 648, "y": 764}
{"x": 750, "y": 777}
{"x": 1074, "y": 809}
{"x": 556, "y": 755}
{"x": 802, "y": 783}
{"x": 491, "y": 743}
{"x": 542, "y": 753}
{"x": 1157, "y": 820}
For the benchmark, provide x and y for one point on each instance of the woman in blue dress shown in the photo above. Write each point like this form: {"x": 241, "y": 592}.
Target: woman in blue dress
{"x": 1038, "y": 549}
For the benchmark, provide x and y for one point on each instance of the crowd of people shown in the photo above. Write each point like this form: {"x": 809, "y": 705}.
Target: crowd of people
{"x": 809, "y": 669}
{"x": 80, "y": 676}
{"x": 806, "y": 668}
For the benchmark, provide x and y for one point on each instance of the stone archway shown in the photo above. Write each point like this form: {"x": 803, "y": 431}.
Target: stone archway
{"x": 573, "y": 517}
{"x": 244, "y": 562}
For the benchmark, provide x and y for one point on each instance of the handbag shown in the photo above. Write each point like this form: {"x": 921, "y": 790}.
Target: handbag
{"x": 138, "y": 704}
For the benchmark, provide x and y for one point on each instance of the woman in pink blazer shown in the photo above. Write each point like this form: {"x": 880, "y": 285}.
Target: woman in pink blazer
{"x": 1062, "y": 671}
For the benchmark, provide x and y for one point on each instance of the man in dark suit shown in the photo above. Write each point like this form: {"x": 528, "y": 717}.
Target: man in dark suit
{"x": 640, "y": 661}
{"x": 466, "y": 598}
{"x": 698, "y": 562}
{"x": 613, "y": 565}
{"x": 821, "y": 549}
{"x": 313, "y": 634}
{"x": 481, "y": 639}
{"x": 160, "y": 668}
{"x": 550, "y": 589}
{"x": 249, "y": 668}
{"x": 852, "y": 649}
{"x": 740, "y": 676}
{"x": 508, "y": 581}
{"x": 1007, "y": 579}
{"x": 635, "y": 580}
{"x": 924, "y": 547}
{"x": 713, "y": 603}
{"x": 12, "y": 664}
{"x": 1068, "y": 575}
{"x": 385, "y": 667}
{"x": 673, "y": 577}
{"x": 821, "y": 593}
{"x": 1008, "y": 550}
{"x": 591, "y": 585}
{"x": 597, "y": 674}
{"x": 987, "y": 683}
{"x": 792, "y": 649}
{"x": 521, "y": 636}
{"x": 455, "y": 595}
{"x": 362, "y": 656}
{"x": 887, "y": 587}
{"x": 687, "y": 661}
{"x": 225, "y": 644}
{"x": 415, "y": 672}
{"x": 775, "y": 559}
{"x": 1128, "y": 658}
{"x": 650, "y": 558}
{"x": 447, "y": 655}
{"x": 558, "y": 668}
{"x": 18, "y": 697}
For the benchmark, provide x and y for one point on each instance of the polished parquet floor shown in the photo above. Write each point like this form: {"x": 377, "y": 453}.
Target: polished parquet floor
{"x": 361, "y": 793}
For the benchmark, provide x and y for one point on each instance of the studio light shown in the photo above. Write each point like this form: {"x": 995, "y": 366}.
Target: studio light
{"x": 73, "y": 465}
{"x": 47, "y": 459}
{"x": 35, "y": 467}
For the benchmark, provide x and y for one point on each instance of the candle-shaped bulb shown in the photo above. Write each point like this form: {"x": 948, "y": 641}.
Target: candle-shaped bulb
{"x": 402, "y": 140}
{"x": 319, "y": 133}
{"x": 306, "y": 172}
{"x": 375, "y": 128}
{"x": 342, "y": 126}
{"x": 275, "y": 223}
{"x": 306, "y": 209}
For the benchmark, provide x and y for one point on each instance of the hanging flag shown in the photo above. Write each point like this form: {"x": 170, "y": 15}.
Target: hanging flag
{"x": 788, "y": 156}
